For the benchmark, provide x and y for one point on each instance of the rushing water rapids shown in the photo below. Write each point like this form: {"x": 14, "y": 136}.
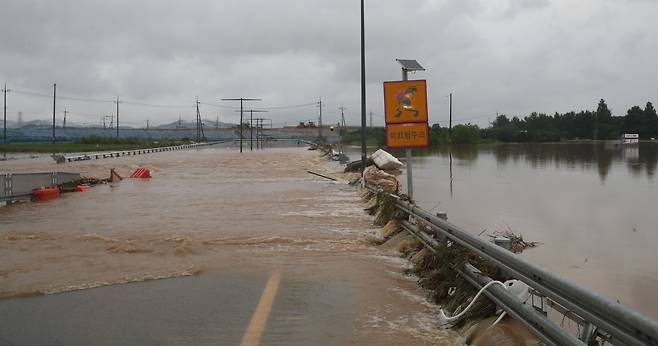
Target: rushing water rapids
{"x": 213, "y": 211}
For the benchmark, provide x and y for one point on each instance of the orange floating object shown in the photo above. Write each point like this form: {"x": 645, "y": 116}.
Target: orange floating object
{"x": 81, "y": 188}
{"x": 141, "y": 173}
{"x": 45, "y": 193}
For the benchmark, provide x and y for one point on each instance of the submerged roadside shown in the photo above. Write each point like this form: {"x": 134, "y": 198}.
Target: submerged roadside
{"x": 218, "y": 223}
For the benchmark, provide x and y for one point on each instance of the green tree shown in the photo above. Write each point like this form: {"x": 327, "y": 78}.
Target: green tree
{"x": 602, "y": 111}
{"x": 465, "y": 134}
{"x": 651, "y": 118}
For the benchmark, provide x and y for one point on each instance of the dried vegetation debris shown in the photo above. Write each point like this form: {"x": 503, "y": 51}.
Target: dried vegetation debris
{"x": 435, "y": 269}
{"x": 517, "y": 242}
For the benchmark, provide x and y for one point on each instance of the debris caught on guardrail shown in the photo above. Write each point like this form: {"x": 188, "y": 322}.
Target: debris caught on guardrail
{"x": 435, "y": 270}
{"x": 74, "y": 186}
{"x": 379, "y": 178}
{"x": 384, "y": 160}
{"x": 382, "y": 207}
{"x": 357, "y": 166}
{"x": 517, "y": 244}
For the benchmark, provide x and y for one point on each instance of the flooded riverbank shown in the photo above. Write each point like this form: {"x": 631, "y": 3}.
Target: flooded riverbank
{"x": 214, "y": 211}
{"x": 590, "y": 206}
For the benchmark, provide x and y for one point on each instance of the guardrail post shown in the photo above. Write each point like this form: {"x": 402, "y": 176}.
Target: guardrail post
{"x": 588, "y": 333}
{"x": 9, "y": 185}
{"x": 540, "y": 305}
{"x": 440, "y": 236}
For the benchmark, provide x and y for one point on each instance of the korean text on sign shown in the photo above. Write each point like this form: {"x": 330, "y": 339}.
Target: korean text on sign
{"x": 407, "y": 135}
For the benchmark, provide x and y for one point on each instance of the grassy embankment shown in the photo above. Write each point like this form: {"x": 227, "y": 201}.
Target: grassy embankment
{"x": 87, "y": 144}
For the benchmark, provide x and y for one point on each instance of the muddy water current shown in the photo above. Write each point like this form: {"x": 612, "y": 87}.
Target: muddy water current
{"x": 213, "y": 211}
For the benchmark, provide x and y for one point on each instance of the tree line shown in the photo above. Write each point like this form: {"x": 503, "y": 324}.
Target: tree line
{"x": 540, "y": 127}
{"x": 599, "y": 124}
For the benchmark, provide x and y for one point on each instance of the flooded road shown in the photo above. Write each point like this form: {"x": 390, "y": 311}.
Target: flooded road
{"x": 593, "y": 208}
{"x": 217, "y": 224}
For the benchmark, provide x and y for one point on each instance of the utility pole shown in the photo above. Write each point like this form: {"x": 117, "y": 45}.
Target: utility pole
{"x": 5, "y": 91}
{"x": 363, "y": 87}
{"x": 320, "y": 120}
{"x": 217, "y": 122}
{"x": 147, "y": 124}
{"x": 371, "y": 120}
{"x": 198, "y": 131}
{"x": 64, "y": 123}
{"x": 54, "y": 104}
{"x": 259, "y": 125}
{"x": 117, "y": 102}
{"x": 241, "y": 99}
{"x": 251, "y": 126}
{"x": 342, "y": 115}
{"x": 199, "y": 124}
{"x": 450, "y": 123}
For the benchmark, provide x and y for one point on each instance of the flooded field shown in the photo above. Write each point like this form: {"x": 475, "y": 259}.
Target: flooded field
{"x": 215, "y": 213}
{"x": 591, "y": 206}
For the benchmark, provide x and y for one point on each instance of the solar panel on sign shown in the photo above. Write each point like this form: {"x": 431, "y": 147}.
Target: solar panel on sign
{"x": 410, "y": 65}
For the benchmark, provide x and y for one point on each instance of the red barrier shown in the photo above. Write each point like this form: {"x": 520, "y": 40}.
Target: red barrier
{"x": 45, "y": 193}
{"x": 141, "y": 173}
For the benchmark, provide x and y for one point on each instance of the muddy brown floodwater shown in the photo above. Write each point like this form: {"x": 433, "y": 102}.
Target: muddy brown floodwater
{"x": 214, "y": 212}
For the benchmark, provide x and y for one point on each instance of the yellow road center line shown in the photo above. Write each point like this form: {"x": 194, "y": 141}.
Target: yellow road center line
{"x": 258, "y": 321}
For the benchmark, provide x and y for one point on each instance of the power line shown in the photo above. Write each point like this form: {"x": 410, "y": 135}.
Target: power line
{"x": 81, "y": 99}
{"x": 218, "y": 106}
{"x": 290, "y": 107}
{"x": 155, "y": 105}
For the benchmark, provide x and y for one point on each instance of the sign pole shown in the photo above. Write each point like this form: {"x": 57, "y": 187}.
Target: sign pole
{"x": 407, "y": 151}
{"x": 405, "y": 110}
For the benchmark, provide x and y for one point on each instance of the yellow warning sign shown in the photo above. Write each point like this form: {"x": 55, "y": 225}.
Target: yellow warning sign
{"x": 413, "y": 135}
{"x": 405, "y": 102}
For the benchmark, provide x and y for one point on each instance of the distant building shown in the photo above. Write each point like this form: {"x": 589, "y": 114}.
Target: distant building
{"x": 630, "y": 138}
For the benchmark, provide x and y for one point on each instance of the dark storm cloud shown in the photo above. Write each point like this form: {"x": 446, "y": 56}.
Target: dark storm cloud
{"x": 513, "y": 56}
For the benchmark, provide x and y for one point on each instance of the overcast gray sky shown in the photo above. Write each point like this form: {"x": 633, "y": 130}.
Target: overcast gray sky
{"x": 507, "y": 56}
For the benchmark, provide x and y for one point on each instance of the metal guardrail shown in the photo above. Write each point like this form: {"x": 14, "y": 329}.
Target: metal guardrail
{"x": 17, "y": 185}
{"x": 106, "y": 154}
{"x": 618, "y": 323}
